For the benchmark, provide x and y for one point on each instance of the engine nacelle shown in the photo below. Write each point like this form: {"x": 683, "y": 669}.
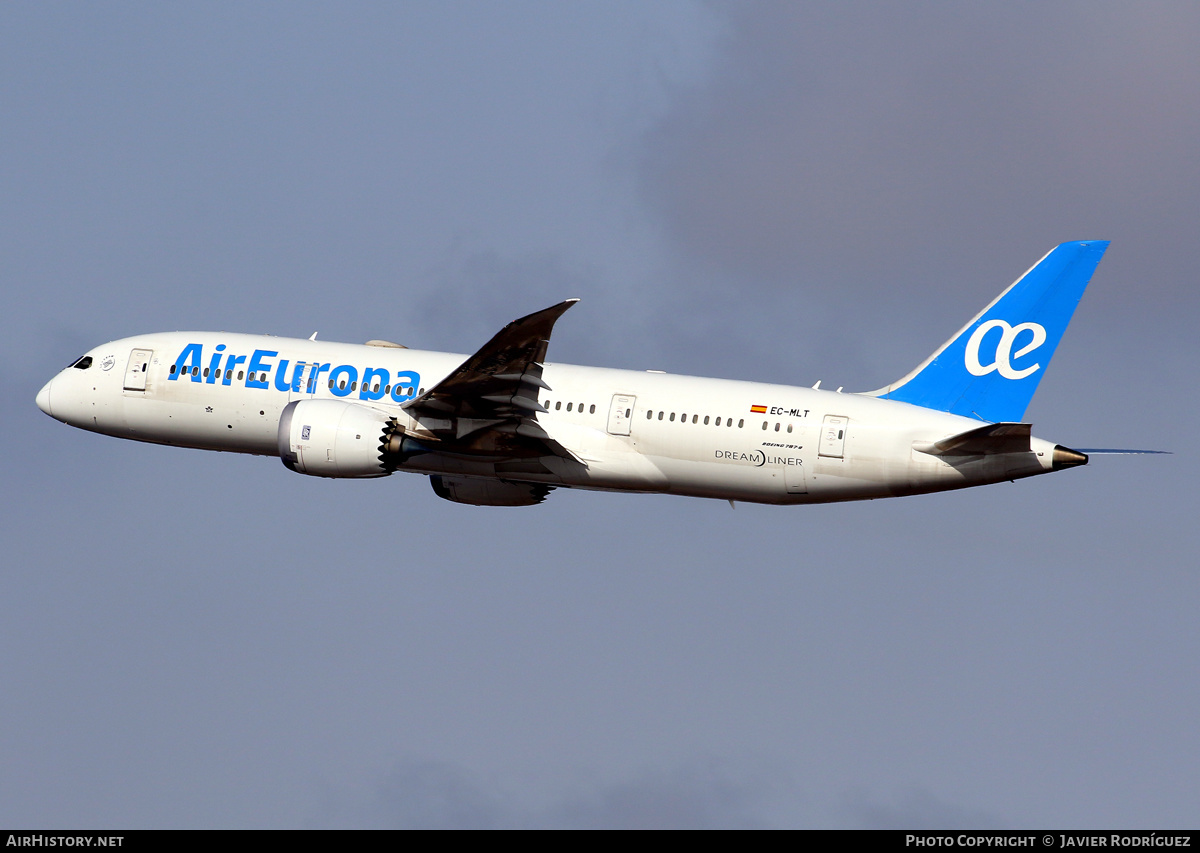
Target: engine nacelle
{"x": 481, "y": 492}
{"x": 334, "y": 438}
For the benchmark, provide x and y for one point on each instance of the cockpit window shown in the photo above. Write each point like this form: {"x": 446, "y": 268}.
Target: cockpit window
{"x": 83, "y": 363}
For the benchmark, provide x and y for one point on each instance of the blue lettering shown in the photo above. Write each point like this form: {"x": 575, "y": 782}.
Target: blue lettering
{"x": 213, "y": 364}
{"x": 230, "y": 363}
{"x": 406, "y": 385}
{"x": 342, "y": 388}
{"x": 367, "y": 392}
{"x": 258, "y": 365}
{"x": 315, "y": 377}
{"x": 297, "y": 376}
{"x": 188, "y": 360}
{"x": 281, "y": 383}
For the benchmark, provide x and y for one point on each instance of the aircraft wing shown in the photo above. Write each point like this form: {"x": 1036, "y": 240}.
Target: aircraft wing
{"x": 489, "y": 404}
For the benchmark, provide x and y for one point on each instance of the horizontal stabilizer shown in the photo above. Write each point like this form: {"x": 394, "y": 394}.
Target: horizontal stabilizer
{"x": 984, "y": 441}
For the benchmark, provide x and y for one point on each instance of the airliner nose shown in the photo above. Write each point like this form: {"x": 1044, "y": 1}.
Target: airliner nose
{"x": 43, "y": 398}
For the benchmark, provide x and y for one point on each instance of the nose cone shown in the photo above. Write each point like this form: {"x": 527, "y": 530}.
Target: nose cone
{"x": 43, "y": 398}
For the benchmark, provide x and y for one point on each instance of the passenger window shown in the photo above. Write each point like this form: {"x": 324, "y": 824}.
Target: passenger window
{"x": 558, "y": 405}
{"x": 206, "y": 373}
{"x": 660, "y": 415}
{"x": 706, "y": 420}
{"x": 592, "y": 409}
{"x": 195, "y": 371}
{"x": 387, "y": 389}
{"x": 741, "y": 422}
{"x": 569, "y": 407}
{"x": 789, "y": 427}
{"x": 240, "y": 373}
{"x": 764, "y": 424}
{"x": 777, "y": 426}
{"x": 696, "y": 418}
{"x": 172, "y": 368}
{"x": 672, "y": 417}
{"x": 649, "y": 414}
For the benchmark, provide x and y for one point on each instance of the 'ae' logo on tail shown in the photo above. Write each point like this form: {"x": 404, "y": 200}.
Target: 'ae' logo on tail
{"x": 1002, "y": 361}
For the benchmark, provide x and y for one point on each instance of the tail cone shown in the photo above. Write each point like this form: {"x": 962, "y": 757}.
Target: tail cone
{"x": 1065, "y": 457}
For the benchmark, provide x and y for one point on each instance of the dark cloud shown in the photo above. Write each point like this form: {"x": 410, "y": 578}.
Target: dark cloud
{"x": 700, "y": 795}
{"x": 833, "y": 140}
{"x": 914, "y": 808}
{"x": 424, "y": 794}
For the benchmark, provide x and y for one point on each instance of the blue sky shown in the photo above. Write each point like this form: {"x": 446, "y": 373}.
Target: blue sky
{"x": 761, "y": 191}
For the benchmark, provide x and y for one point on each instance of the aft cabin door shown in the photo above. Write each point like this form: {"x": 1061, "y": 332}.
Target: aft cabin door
{"x": 135, "y": 370}
{"x": 620, "y": 414}
{"x": 833, "y": 436}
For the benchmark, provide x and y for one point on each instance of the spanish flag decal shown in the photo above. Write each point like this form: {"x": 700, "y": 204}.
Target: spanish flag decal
{"x": 758, "y": 410}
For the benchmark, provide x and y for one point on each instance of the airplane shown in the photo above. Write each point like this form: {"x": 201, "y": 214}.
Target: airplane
{"x": 505, "y": 427}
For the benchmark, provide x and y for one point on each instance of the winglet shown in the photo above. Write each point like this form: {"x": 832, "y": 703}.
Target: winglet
{"x": 990, "y": 369}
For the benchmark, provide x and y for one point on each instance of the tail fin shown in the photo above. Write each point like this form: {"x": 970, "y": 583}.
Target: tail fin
{"x": 990, "y": 369}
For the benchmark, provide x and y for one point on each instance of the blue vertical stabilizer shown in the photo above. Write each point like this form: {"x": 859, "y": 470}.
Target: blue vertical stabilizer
{"x": 990, "y": 369}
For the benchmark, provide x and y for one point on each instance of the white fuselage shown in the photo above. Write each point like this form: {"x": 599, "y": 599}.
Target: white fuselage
{"x": 628, "y": 430}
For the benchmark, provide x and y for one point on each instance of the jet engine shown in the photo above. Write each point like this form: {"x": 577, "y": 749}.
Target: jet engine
{"x": 334, "y": 438}
{"x": 481, "y": 492}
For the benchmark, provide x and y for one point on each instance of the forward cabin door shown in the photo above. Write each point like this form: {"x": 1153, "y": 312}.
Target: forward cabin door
{"x": 136, "y": 369}
{"x": 620, "y": 414}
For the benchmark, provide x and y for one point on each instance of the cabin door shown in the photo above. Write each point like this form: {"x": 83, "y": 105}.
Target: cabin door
{"x": 833, "y": 436}
{"x": 136, "y": 369}
{"x": 620, "y": 414}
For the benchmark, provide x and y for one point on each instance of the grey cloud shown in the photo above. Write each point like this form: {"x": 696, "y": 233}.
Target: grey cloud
{"x": 831, "y": 138}
{"x": 422, "y": 794}
{"x": 914, "y": 808}
{"x": 425, "y": 794}
{"x": 699, "y": 795}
